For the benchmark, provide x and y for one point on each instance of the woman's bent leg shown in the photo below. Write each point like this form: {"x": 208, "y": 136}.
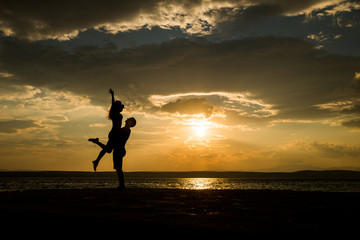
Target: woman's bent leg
{"x": 96, "y": 162}
{"x": 105, "y": 149}
{"x": 96, "y": 141}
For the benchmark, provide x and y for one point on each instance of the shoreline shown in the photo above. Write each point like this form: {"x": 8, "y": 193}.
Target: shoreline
{"x": 243, "y": 212}
{"x": 305, "y": 174}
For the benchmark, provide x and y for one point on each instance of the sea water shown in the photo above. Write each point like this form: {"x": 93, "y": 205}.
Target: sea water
{"x": 20, "y": 183}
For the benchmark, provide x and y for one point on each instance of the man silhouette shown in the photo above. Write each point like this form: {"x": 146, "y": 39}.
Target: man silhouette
{"x": 120, "y": 152}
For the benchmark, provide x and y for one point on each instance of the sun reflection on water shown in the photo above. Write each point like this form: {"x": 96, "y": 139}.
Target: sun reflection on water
{"x": 199, "y": 183}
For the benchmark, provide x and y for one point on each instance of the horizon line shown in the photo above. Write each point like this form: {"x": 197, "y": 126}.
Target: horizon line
{"x": 192, "y": 171}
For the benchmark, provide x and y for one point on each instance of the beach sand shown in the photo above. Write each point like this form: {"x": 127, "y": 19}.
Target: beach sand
{"x": 180, "y": 213}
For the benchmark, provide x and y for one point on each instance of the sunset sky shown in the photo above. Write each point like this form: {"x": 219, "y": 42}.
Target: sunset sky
{"x": 248, "y": 85}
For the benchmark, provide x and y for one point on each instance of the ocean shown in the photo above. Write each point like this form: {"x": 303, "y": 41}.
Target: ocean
{"x": 330, "y": 181}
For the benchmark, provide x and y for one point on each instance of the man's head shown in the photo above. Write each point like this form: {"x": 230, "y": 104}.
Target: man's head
{"x": 130, "y": 122}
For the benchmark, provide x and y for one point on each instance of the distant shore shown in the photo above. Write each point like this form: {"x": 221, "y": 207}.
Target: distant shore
{"x": 308, "y": 174}
{"x": 181, "y": 212}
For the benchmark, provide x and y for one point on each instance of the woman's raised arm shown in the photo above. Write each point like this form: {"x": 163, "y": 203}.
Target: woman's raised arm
{"x": 112, "y": 96}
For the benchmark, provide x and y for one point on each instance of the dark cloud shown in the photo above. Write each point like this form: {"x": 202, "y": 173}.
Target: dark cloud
{"x": 12, "y": 126}
{"x": 353, "y": 109}
{"x": 354, "y": 123}
{"x": 278, "y": 7}
{"x": 262, "y": 11}
{"x": 37, "y": 19}
{"x": 287, "y": 73}
{"x": 189, "y": 106}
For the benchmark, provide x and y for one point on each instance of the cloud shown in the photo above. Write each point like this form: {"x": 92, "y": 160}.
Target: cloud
{"x": 189, "y": 106}
{"x": 5, "y": 75}
{"x": 39, "y": 20}
{"x": 345, "y": 106}
{"x": 344, "y": 6}
{"x": 57, "y": 118}
{"x": 354, "y": 123}
{"x": 215, "y": 109}
{"x": 40, "y": 99}
{"x": 343, "y": 14}
{"x": 13, "y": 126}
{"x": 319, "y": 37}
{"x": 54, "y": 114}
{"x": 355, "y": 84}
{"x": 252, "y": 79}
{"x": 342, "y": 111}
{"x": 99, "y": 125}
{"x": 12, "y": 92}
{"x": 326, "y": 149}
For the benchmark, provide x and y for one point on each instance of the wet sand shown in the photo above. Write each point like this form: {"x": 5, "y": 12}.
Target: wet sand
{"x": 180, "y": 213}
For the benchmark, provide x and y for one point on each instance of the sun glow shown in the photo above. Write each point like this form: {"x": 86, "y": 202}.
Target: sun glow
{"x": 200, "y": 130}
{"x": 199, "y": 127}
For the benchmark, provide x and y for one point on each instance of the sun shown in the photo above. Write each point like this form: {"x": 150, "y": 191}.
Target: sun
{"x": 200, "y": 131}
{"x": 199, "y": 127}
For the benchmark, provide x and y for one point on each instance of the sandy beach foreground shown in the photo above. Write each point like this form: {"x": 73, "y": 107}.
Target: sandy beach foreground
{"x": 180, "y": 212}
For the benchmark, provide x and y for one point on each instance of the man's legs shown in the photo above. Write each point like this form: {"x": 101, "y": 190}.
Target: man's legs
{"x": 118, "y": 155}
{"x": 121, "y": 179}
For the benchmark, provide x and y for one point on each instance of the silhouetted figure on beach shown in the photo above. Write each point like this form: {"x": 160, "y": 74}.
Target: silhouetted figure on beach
{"x": 116, "y": 118}
{"x": 119, "y": 141}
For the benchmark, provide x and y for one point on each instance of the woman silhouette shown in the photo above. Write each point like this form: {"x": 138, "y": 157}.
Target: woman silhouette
{"x": 116, "y": 118}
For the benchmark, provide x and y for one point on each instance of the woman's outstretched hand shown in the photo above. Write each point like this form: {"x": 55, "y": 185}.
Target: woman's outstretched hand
{"x": 112, "y": 96}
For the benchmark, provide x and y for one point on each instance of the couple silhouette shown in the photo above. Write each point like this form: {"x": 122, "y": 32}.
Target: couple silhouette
{"x": 117, "y": 139}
